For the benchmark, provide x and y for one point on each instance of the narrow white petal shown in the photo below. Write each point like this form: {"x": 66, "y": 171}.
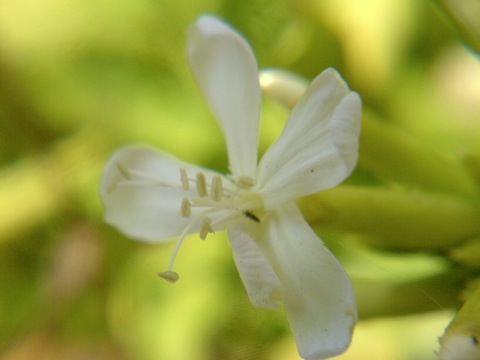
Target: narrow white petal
{"x": 257, "y": 274}
{"x": 318, "y": 295}
{"x": 142, "y": 192}
{"x": 318, "y": 148}
{"x": 226, "y": 71}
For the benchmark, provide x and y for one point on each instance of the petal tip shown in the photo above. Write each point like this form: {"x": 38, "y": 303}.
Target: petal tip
{"x": 210, "y": 25}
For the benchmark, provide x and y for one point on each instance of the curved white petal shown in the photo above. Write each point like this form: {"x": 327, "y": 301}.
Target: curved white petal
{"x": 142, "y": 193}
{"x": 318, "y": 295}
{"x": 226, "y": 71}
{"x": 318, "y": 147}
{"x": 261, "y": 282}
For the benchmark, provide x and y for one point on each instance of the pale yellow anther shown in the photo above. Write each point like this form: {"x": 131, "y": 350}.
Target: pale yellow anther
{"x": 184, "y": 179}
{"x": 124, "y": 171}
{"x": 185, "y": 209}
{"x": 201, "y": 184}
{"x": 112, "y": 185}
{"x": 206, "y": 228}
{"x": 217, "y": 188}
{"x": 170, "y": 276}
{"x": 245, "y": 182}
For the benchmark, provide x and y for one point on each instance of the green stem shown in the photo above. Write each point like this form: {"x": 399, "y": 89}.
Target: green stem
{"x": 393, "y": 219}
{"x": 429, "y": 294}
{"x": 465, "y": 15}
{"x": 391, "y": 154}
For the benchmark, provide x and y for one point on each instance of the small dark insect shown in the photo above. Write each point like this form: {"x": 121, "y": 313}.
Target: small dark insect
{"x": 251, "y": 215}
{"x": 474, "y": 340}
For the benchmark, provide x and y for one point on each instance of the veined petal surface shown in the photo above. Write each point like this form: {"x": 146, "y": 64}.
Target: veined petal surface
{"x": 317, "y": 293}
{"x": 318, "y": 147}
{"x": 142, "y": 193}
{"x": 225, "y": 68}
{"x": 256, "y": 272}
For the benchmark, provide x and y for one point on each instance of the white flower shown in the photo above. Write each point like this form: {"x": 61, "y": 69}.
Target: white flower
{"x": 151, "y": 196}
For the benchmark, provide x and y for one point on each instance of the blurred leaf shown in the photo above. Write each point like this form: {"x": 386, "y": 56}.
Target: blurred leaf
{"x": 465, "y": 15}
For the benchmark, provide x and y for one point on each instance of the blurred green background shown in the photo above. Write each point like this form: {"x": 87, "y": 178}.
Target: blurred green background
{"x": 80, "y": 78}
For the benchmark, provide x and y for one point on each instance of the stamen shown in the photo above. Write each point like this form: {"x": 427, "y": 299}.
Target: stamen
{"x": 217, "y": 188}
{"x": 245, "y": 182}
{"x": 170, "y": 276}
{"x": 124, "y": 171}
{"x": 112, "y": 185}
{"x": 184, "y": 179}
{"x": 201, "y": 184}
{"x": 206, "y": 228}
{"x": 185, "y": 209}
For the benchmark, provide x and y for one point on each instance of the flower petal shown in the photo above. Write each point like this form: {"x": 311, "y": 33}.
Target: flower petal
{"x": 226, "y": 71}
{"x": 318, "y": 147}
{"x": 142, "y": 193}
{"x": 318, "y": 295}
{"x": 261, "y": 282}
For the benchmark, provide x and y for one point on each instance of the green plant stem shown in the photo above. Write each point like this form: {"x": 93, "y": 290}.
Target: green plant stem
{"x": 465, "y": 15}
{"x": 396, "y": 299}
{"x": 393, "y": 219}
{"x": 394, "y": 155}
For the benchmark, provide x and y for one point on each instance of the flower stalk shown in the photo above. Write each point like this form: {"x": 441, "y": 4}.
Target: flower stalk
{"x": 393, "y": 219}
{"x": 393, "y": 155}
{"x": 432, "y": 293}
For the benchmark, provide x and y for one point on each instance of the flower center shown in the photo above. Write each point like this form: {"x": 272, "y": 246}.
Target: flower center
{"x": 219, "y": 207}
